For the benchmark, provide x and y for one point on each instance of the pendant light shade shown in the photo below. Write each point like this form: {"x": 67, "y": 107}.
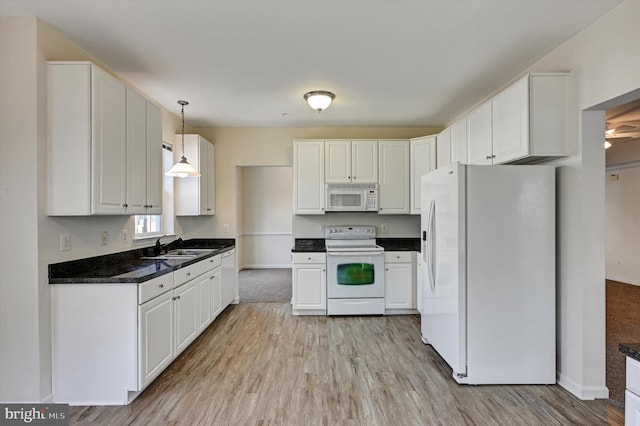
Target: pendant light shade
{"x": 319, "y": 99}
{"x": 182, "y": 168}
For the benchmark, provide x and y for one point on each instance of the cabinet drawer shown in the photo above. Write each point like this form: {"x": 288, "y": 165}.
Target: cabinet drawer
{"x": 398, "y": 256}
{"x": 310, "y": 257}
{"x": 154, "y": 287}
{"x": 633, "y": 375}
{"x": 188, "y": 273}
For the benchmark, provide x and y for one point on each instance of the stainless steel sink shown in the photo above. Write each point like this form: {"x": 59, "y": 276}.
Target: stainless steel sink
{"x": 181, "y": 254}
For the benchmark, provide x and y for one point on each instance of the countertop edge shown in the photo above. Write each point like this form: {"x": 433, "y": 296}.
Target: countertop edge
{"x": 117, "y": 279}
{"x": 632, "y": 350}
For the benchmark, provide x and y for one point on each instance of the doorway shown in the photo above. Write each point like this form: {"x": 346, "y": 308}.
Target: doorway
{"x": 265, "y": 232}
{"x": 622, "y": 208}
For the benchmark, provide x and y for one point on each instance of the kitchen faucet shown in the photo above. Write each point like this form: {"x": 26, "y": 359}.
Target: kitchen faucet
{"x": 159, "y": 247}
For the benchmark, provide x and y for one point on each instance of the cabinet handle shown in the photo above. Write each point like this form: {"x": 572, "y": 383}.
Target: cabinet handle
{"x": 308, "y": 258}
{"x": 493, "y": 156}
{"x": 188, "y": 274}
{"x": 488, "y": 157}
{"x": 125, "y": 205}
{"x": 324, "y": 270}
{"x": 354, "y": 178}
{"x": 161, "y": 285}
{"x": 209, "y": 210}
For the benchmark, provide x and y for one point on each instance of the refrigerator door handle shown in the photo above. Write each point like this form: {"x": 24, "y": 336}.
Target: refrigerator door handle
{"x": 432, "y": 240}
{"x": 429, "y": 252}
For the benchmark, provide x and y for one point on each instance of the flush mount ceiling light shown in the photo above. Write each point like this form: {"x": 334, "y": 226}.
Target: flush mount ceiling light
{"x": 319, "y": 99}
{"x": 182, "y": 168}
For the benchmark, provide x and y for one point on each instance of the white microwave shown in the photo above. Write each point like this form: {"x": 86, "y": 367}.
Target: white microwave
{"x": 351, "y": 197}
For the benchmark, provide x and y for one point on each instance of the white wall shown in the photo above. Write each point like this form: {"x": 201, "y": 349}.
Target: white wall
{"x": 623, "y": 224}
{"x": 265, "y": 217}
{"x": 603, "y": 75}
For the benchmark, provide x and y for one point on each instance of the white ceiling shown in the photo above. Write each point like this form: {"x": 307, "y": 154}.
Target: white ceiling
{"x": 247, "y": 63}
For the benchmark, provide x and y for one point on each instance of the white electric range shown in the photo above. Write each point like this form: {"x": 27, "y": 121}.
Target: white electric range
{"x": 355, "y": 271}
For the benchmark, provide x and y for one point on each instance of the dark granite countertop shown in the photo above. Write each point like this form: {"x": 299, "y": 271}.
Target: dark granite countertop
{"x": 303, "y": 245}
{"x": 631, "y": 350}
{"x": 399, "y": 244}
{"x": 128, "y": 266}
{"x": 390, "y": 244}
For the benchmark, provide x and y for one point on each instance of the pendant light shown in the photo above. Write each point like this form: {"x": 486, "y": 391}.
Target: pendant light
{"x": 182, "y": 168}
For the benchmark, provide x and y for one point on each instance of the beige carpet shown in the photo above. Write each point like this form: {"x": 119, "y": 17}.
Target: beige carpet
{"x": 623, "y": 326}
{"x": 264, "y": 285}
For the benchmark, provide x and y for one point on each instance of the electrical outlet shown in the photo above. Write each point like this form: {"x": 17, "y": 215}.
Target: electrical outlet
{"x": 105, "y": 238}
{"x": 619, "y": 261}
{"x": 383, "y": 227}
{"x": 124, "y": 236}
{"x": 65, "y": 242}
{"x": 225, "y": 228}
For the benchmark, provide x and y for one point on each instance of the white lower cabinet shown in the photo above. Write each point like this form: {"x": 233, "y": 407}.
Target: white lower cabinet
{"x": 204, "y": 296}
{"x": 155, "y": 330}
{"x": 309, "y": 284}
{"x": 399, "y": 282}
{"x": 632, "y": 394}
{"x": 111, "y": 340}
{"x": 186, "y": 315}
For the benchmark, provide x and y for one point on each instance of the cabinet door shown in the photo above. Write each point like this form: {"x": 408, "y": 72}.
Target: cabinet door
{"x": 459, "y": 141}
{"x": 510, "y": 122}
{"x": 443, "y": 151}
{"x": 155, "y": 337}
{"x": 154, "y": 159}
{"x": 423, "y": 160}
{"x": 480, "y": 136}
{"x": 136, "y": 153}
{"x": 398, "y": 283}
{"x": 204, "y": 302}
{"x": 309, "y": 287}
{"x": 364, "y": 161}
{"x": 210, "y": 182}
{"x": 631, "y": 408}
{"x": 191, "y": 194}
{"x": 216, "y": 292}
{"x": 337, "y": 161}
{"x": 109, "y": 143}
{"x": 308, "y": 177}
{"x": 394, "y": 177}
{"x": 186, "y": 315}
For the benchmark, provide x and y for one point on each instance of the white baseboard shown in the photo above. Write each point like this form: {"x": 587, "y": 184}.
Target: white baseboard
{"x": 623, "y": 280}
{"x": 583, "y": 392}
{"x": 268, "y": 266}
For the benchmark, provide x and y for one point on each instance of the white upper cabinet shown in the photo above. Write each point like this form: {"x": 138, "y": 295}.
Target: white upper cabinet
{"x": 459, "y": 141}
{"x": 479, "y": 135}
{"x": 443, "y": 151}
{"x": 423, "y": 160}
{"x": 96, "y": 143}
{"x": 351, "y": 161}
{"x": 393, "y": 190}
{"x": 144, "y": 156}
{"x": 530, "y": 119}
{"x": 195, "y": 196}
{"x": 308, "y": 177}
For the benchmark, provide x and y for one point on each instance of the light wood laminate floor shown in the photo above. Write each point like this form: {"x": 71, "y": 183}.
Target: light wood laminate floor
{"x": 257, "y": 364}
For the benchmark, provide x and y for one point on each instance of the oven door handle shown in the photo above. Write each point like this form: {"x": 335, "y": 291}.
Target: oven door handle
{"x": 354, "y": 253}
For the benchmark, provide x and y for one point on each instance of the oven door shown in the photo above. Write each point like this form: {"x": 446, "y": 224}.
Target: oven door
{"x": 355, "y": 275}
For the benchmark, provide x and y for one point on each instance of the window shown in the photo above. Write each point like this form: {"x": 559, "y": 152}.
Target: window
{"x": 149, "y": 225}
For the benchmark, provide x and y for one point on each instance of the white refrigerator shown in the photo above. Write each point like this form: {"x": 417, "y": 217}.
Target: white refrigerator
{"x": 488, "y": 248}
